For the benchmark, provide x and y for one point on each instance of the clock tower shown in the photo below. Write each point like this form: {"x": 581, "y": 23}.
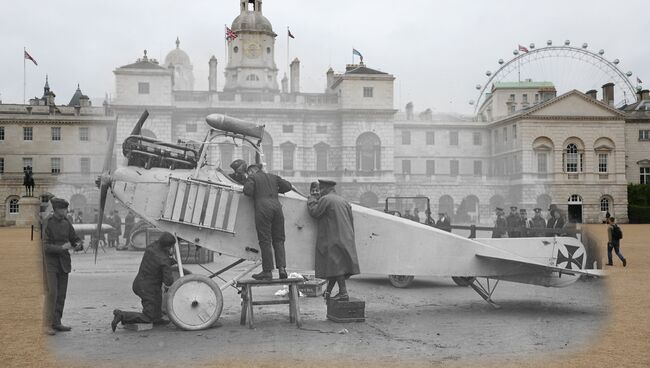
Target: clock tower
{"x": 251, "y": 56}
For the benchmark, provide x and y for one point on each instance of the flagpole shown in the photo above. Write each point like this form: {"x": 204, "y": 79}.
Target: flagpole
{"x": 24, "y": 75}
{"x": 287, "y": 64}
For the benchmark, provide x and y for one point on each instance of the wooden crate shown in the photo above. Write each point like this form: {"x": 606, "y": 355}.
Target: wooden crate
{"x": 313, "y": 287}
{"x": 353, "y": 310}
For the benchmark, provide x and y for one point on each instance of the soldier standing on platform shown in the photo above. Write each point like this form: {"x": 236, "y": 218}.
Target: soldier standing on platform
{"x": 513, "y": 222}
{"x": 538, "y": 223}
{"x": 58, "y": 238}
{"x": 269, "y": 219}
{"x": 499, "y": 225}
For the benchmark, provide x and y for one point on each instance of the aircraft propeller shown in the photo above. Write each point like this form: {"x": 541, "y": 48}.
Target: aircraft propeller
{"x": 138, "y": 126}
{"x": 104, "y": 182}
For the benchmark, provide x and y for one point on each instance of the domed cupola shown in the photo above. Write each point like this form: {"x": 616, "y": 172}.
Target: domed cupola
{"x": 251, "y": 55}
{"x": 178, "y": 61}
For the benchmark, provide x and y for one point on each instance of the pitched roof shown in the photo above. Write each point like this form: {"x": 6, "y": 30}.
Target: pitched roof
{"x": 142, "y": 64}
{"x": 363, "y": 70}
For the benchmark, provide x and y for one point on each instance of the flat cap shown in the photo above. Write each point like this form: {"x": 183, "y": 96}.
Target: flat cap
{"x": 498, "y": 209}
{"x": 167, "y": 239}
{"x": 257, "y": 166}
{"x": 58, "y": 203}
{"x": 326, "y": 183}
{"x": 237, "y": 163}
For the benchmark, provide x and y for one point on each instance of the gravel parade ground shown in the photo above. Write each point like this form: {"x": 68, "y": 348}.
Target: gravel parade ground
{"x": 593, "y": 322}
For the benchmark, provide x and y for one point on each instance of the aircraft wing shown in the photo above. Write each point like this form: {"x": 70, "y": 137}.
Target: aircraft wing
{"x": 506, "y": 259}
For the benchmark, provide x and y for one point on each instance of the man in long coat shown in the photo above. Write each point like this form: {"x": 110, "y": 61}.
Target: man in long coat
{"x": 155, "y": 270}
{"x": 269, "y": 219}
{"x": 58, "y": 238}
{"x": 538, "y": 223}
{"x": 336, "y": 252}
{"x": 500, "y": 224}
{"x": 514, "y": 223}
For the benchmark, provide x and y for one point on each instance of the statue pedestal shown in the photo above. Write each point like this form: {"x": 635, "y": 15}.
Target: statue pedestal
{"x": 28, "y": 213}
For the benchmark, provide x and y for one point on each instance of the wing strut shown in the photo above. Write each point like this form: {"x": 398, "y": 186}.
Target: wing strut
{"x": 486, "y": 291}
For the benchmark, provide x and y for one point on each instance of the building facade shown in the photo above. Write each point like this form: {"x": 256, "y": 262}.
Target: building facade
{"x": 64, "y": 145}
{"x": 527, "y": 147}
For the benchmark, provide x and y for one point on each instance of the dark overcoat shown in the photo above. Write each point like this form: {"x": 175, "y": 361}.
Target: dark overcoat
{"x": 336, "y": 252}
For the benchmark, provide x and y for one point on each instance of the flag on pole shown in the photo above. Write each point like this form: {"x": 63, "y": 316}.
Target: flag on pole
{"x": 230, "y": 35}
{"x": 639, "y": 80}
{"x": 523, "y": 48}
{"x": 289, "y": 33}
{"x": 29, "y": 57}
{"x": 356, "y": 52}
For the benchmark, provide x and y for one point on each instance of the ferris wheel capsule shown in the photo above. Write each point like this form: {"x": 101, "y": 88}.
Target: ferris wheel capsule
{"x": 616, "y": 61}
{"x": 532, "y": 45}
{"x": 515, "y": 52}
{"x": 601, "y": 52}
{"x": 567, "y": 43}
{"x": 500, "y": 61}
{"x": 471, "y": 102}
{"x": 639, "y": 88}
{"x": 629, "y": 73}
{"x": 549, "y": 43}
{"x": 585, "y": 45}
{"x": 478, "y": 86}
{"x": 488, "y": 73}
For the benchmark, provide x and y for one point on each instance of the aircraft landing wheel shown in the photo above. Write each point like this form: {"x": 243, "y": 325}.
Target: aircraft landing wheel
{"x": 400, "y": 281}
{"x": 463, "y": 281}
{"x": 194, "y": 302}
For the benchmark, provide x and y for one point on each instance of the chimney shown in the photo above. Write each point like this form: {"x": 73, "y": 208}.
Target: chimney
{"x": 295, "y": 76}
{"x": 285, "y": 84}
{"x": 645, "y": 95}
{"x": 608, "y": 93}
{"x": 330, "y": 79}
{"x": 212, "y": 77}
{"x": 592, "y": 93}
{"x": 409, "y": 111}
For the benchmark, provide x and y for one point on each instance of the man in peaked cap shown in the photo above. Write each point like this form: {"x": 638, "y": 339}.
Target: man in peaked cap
{"x": 513, "y": 222}
{"x": 336, "y": 252}
{"x": 269, "y": 219}
{"x": 58, "y": 238}
{"x": 239, "y": 175}
{"x": 499, "y": 225}
{"x": 538, "y": 223}
{"x": 155, "y": 270}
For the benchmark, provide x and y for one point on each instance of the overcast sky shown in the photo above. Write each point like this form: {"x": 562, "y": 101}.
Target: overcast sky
{"x": 437, "y": 50}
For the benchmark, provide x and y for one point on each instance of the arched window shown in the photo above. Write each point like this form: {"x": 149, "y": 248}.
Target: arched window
{"x": 13, "y": 206}
{"x": 369, "y": 199}
{"x": 322, "y": 152}
{"x": 571, "y": 158}
{"x": 446, "y": 205}
{"x": 252, "y": 77}
{"x": 604, "y": 204}
{"x": 368, "y": 152}
{"x": 575, "y": 199}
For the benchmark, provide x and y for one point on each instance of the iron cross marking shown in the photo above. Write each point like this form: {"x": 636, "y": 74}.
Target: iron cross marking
{"x": 571, "y": 250}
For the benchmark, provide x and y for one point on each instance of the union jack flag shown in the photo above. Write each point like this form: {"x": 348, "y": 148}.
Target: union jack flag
{"x": 230, "y": 35}
{"x": 523, "y": 48}
{"x": 29, "y": 57}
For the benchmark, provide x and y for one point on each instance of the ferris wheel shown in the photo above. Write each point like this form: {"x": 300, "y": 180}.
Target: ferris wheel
{"x": 567, "y": 67}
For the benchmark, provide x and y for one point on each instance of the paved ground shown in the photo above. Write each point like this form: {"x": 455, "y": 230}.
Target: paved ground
{"x": 433, "y": 323}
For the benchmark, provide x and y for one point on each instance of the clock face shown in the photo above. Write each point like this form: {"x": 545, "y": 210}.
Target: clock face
{"x": 252, "y": 50}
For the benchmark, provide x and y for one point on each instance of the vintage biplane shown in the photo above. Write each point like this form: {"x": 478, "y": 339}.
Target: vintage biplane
{"x": 177, "y": 189}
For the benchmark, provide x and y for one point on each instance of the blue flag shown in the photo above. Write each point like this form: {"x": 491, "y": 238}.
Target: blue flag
{"x": 356, "y": 52}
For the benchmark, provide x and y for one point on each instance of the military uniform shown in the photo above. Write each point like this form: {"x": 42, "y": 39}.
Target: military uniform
{"x": 155, "y": 270}
{"x": 269, "y": 218}
{"x": 538, "y": 224}
{"x": 57, "y": 231}
{"x": 499, "y": 225}
{"x": 513, "y": 221}
{"x": 525, "y": 224}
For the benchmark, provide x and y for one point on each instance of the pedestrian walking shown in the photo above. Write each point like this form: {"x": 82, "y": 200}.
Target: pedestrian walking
{"x": 614, "y": 236}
